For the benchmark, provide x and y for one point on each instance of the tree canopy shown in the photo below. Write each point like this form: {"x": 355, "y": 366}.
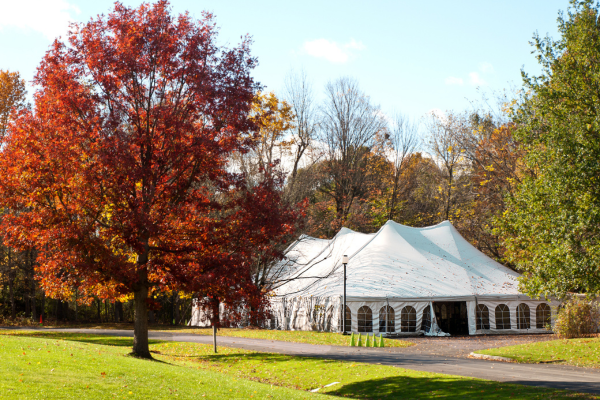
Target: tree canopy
{"x": 552, "y": 221}
{"x": 120, "y": 175}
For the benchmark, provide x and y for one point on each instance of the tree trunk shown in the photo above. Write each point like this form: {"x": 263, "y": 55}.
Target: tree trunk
{"x": 140, "y": 327}
{"x": 76, "y": 298}
{"x": 118, "y": 311}
{"x": 176, "y": 316}
{"x": 216, "y": 319}
{"x": 11, "y": 284}
{"x": 66, "y": 311}
{"x": 215, "y": 337}
{"x": 33, "y": 308}
{"x": 99, "y": 312}
{"x": 11, "y": 291}
{"x": 43, "y": 305}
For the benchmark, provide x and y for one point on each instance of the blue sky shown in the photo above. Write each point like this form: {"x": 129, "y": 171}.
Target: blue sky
{"x": 409, "y": 56}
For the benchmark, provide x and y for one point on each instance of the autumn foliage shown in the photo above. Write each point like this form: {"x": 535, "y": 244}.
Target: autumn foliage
{"x": 120, "y": 175}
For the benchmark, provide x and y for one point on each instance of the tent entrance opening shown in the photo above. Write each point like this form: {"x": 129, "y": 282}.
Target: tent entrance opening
{"x": 452, "y": 317}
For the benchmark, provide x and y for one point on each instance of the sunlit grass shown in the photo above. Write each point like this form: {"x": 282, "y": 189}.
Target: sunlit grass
{"x": 193, "y": 368}
{"x": 576, "y": 352}
{"x": 53, "y": 368}
{"x": 309, "y": 337}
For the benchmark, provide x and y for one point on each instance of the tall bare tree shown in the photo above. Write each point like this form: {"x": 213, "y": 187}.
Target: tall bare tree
{"x": 299, "y": 94}
{"x": 445, "y": 146}
{"x": 349, "y": 129}
{"x": 402, "y": 141}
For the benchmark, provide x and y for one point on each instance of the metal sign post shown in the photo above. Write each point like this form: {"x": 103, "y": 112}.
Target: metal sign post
{"x": 344, "y": 261}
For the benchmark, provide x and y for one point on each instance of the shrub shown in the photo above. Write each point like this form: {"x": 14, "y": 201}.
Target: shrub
{"x": 577, "y": 318}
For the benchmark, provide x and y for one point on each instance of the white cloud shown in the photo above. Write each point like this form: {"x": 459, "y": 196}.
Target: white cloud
{"x": 49, "y": 17}
{"x": 476, "y": 80}
{"x": 332, "y": 51}
{"x": 353, "y": 44}
{"x": 486, "y": 67}
{"x": 451, "y": 80}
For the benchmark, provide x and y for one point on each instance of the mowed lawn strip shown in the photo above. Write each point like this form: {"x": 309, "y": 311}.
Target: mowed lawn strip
{"x": 53, "y": 368}
{"x": 576, "y": 352}
{"x": 357, "y": 380}
{"x": 308, "y": 337}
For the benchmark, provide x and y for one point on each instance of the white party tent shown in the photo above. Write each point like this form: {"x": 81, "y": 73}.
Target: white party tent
{"x": 403, "y": 280}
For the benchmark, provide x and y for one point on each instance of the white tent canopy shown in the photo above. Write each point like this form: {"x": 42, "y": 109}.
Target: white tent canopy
{"x": 415, "y": 271}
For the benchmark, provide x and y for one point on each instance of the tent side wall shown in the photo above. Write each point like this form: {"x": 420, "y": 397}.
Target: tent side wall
{"x": 324, "y": 314}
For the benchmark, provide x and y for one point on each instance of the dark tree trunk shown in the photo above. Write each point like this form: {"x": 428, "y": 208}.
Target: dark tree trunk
{"x": 140, "y": 326}
{"x": 140, "y": 297}
{"x": 99, "y": 311}
{"x": 11, "y": 286}
{"x": 65, "y": 307}
{"x": 32, "y": 296}
{"x": 27, "y": 298}
{"x": 76, "y": 298}
{"x": 58, "y": 311}
{"x": 215, "y": 320}
{"x": 11, "y": 293}
{"x": 43, "y": 306}
{"x": 215, "y": 337}
{"x": 118, "y": 311}
{"x": 176, "y": 316}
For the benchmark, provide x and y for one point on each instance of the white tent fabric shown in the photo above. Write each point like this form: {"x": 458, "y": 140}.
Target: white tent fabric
{"x": 399, "y": 262}
{"x": 398, "y": 266}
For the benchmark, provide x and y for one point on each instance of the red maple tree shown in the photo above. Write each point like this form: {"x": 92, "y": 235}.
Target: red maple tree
{"x": 120, "y": 175}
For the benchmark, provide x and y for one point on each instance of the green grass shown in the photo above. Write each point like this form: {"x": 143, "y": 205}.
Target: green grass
{"x": 309, "y": 337}
{"x": 236, "y": 369}
{"x": 99, "y": 368}
{"x": 576, "y": 352}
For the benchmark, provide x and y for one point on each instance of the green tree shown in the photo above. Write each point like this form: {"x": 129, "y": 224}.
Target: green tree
{"x": 551, "y": 224}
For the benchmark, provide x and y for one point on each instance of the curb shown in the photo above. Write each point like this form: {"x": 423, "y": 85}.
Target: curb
{"x": 491, "y": 358}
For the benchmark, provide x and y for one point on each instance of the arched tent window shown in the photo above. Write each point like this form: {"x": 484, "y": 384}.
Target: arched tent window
{"x": 348, "y": 320}
{"x": 483, "y": 317}
{"x": 365, "y": 319}
{"x": 502, "y": 317}
{"x": 426, "y": 324}
{"x": 387, "y": 319}
{"x": 542, "y": 316}
{"x": 408, "y": 319}
{"x": 523, "y": 316}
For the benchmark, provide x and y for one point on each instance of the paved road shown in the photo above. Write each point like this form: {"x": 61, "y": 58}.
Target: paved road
{"x": 551, "y": 376}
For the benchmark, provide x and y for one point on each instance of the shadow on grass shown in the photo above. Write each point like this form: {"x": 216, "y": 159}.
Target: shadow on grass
{"x": 405, "y": 385}
{"x": 225, "y": 358}
{"x": 85, "y": 338}
{"x": 402, "y": 387}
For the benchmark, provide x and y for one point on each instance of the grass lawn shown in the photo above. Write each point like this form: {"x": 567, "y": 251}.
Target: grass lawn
{"x": 98, "y": 368}
{"x": 193, "y": 368}
{"x": 309, "y": 337}
{"x": 576, "y": 352}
